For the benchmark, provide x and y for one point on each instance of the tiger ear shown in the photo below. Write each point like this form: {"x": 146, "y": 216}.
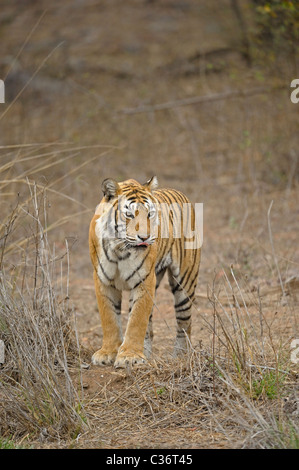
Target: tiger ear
{"x": 110, "y": 188}
{"x": 152, "y": 183}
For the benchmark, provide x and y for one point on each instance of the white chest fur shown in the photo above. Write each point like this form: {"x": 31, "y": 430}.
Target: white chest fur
{"x": 124, "y": 273}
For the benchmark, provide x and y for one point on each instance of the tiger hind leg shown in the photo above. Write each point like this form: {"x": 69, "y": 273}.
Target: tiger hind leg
{"x": 183, "y": 305}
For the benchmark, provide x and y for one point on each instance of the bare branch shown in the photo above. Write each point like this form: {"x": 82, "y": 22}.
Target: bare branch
{"x": 201, "y": 99}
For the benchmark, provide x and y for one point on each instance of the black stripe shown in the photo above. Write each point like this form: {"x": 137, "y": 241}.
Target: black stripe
{"x": 183, "y": 282}
{"x": 121, "y": 258}
{"x": 182, "y": 198}
{"x": 186, "y": 223}
{"x": 190, "y": 272}
{"x": 95, "y": 250}
{"x": 142, "y": 280}
{"x": 103, "y": 271}
{"x": 171, "y": 202}
{"x": 183, "y": 302}
{"x": 130, "y": 196}
{"x": 162, "y": 255}
{"x": 183, "y": 309}
{"x": 179, "y": 242}
{"x": 179, "y": 283}
{"x": 193, "y": 285}
{"x": 168, "y": 199}
{"x": 175, "y": 196}
{"x": 175, "y": 213}
{"x": 158, "y": 271}
{"x": 134, "y": 302}
{"x": 139, "y": 282}
{"x": 106, "y": 252}
{"x": 115, "y": 221}
{"x": 138, "y": 267}
{"x": 99, "y": 264}
{"x": 183, "y": 318}
{"x": 144, "y": 198}
{"x": 192, "y": 295}
{"x": 116, "y": 306}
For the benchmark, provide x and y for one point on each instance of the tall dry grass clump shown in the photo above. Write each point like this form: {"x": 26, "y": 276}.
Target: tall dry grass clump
{"x": 254, "y": 362}
{"x": 40, "y": 393}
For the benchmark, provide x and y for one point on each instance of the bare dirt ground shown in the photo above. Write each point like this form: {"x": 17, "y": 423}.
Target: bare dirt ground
{"x": 93, "y": 63}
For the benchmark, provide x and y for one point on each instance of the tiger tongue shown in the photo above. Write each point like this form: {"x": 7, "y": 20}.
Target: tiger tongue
{"x": 142, "y": 244}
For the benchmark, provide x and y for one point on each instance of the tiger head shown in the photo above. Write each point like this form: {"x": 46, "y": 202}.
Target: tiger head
{"x": 135, "y": 211}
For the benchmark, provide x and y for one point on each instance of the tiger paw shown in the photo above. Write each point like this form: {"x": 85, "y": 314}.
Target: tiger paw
{"x": 103, "y": 358}
{"x": 126, "y": 358}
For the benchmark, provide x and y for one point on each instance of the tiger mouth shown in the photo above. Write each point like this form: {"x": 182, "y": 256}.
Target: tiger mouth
{"x": 140, "y": 244}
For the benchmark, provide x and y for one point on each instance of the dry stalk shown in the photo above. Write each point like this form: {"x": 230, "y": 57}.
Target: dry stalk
{"x": 36, "y": 388}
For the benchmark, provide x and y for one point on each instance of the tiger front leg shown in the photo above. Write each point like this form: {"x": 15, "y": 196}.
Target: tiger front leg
{"x": 147, "y": 349}
{"x": 109, "y": 303}
{"x": 132, "y": 349}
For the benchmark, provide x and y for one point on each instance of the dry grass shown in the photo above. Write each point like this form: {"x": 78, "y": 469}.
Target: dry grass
{"x": 37, "y": 327}
{"x": 243, "y": 387}
{"x": 241, "y": 384}
{"x": 238, "y": 388}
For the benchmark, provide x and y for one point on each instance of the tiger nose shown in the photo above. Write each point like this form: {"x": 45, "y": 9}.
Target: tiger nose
{"x": 143, "y": 238}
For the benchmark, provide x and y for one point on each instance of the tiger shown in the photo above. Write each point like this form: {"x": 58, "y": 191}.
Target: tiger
{"x": 134, "y": 238}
